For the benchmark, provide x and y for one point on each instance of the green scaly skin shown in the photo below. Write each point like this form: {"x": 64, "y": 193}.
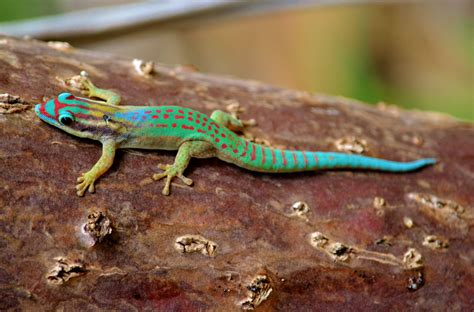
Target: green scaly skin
{"x": 190, "y": 132}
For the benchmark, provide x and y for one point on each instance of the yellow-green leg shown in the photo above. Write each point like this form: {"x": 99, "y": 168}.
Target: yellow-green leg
{"x": 90, "y": 90}
{"x": 86, "y": 180}
{"x": 197, "y": 149}
{"x": 227, "y": 120}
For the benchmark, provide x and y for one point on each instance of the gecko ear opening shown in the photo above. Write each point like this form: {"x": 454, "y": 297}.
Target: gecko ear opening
{"x": 112, "y": 124}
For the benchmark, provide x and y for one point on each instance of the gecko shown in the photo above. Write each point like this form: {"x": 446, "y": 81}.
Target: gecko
{"x": 190, "y": 132}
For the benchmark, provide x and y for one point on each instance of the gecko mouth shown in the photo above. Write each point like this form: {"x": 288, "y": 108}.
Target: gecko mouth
{"x": 37, "y": 109}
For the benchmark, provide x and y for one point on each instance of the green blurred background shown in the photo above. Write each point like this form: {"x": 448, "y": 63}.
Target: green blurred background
{"x": 412, "y": 54}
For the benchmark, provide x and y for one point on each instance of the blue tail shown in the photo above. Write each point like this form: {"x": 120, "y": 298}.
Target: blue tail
{"x": 340, "y": 160}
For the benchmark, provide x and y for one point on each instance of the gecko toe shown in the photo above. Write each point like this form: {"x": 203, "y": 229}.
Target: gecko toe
{"x": 158, "y": 176}
{"x": 163, "y": 166}
{"x": 185, "y": 180}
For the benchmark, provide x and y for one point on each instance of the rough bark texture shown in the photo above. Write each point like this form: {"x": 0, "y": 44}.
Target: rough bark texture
{"x": 253, "y": 249}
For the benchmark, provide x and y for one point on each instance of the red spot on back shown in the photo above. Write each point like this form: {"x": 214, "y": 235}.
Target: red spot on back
{"x": 209, "y": 128}
{"x": 235, "y": 150}
{"x": 190, "y": 118}
{"x": 173, "y": 125}
{"x": 178, "y": 117}
{"x": 158, "y": 111}
{"x": 245, "y": 149}
{"x": 166, "y": 116}
{"x": 224, "y": 145}
{"x": 161, "y": 125}
{"x": 187, "y": 128}
{"x": 201, "y": 131}
{"x": 154, "y": 117}
{"x": 253, "y": 155}
{"x": 223, "y": 135}
{"x": 283, "y": 157}
{"x": 263, "y": 154}
{"x": 305, "y": 159}
{"x": 205, "y": 119}
{"x": 181, "y": 111}
{"x": 216, "y": 131}
{"x": 148, "y": 112}
{"x": 169, "y": 110}
{"x": 198, "y": 121}
{"x": 294, "y": 157}
{"x": 190, "y": 113}
{"x": 273, "y": 156}
{"x": 217, "y": 140}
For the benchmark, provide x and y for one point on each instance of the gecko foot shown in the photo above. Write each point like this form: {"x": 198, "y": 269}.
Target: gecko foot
{"x": 85, "y": 182}
{"x": 170, "y": 171}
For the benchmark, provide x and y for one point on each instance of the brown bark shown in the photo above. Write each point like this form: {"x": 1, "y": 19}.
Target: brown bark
{"x": 236, "y": 239}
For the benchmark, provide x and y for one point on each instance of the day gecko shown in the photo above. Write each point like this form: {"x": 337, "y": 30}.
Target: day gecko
{"x": 190, "y": 132}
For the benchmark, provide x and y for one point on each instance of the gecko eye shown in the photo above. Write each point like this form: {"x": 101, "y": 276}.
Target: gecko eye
{"x": 66, "y": 119}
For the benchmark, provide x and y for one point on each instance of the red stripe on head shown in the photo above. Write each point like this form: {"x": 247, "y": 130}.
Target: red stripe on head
{"x": 44, "y": 112}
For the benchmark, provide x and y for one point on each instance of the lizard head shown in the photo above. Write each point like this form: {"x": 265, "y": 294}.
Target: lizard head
{"x": 79, "y": 116}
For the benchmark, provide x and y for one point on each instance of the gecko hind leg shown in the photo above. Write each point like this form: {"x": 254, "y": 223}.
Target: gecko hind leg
{"x": 227, "y": 120}
{"x": 90, "y": 90}
{"x": 187, "y": 150}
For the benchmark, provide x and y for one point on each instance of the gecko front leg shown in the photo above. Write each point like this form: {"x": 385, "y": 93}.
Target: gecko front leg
{"x": 90, "y": 90}
{"x": 198, "y": 149}
{"x": 86, "y": 180}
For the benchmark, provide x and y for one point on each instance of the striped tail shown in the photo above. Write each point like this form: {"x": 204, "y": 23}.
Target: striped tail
{"x": 256, "y": 157}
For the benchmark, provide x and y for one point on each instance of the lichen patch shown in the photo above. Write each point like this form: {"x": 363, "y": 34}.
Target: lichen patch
{"x": 143, "y": 68}
{"x": 64, "y": 270}
{"x": 258, "y": 291}
{"x": 445, "y": 211}
{"x": 435, "y": 242}
{"x": 340, "y": 252}
{"x": 412, "y": 259}
{"x": 98, "y": 226}
{"x": 10, "y": 104}
{"x": 195, "y": 243}
{"x": 351, "y": 145}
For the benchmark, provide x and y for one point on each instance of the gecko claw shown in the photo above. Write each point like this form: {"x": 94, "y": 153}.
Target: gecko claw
{"x": 170, "y": 173}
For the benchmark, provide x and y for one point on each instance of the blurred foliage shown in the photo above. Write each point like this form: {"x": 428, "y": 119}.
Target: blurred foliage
{"x": 416, "y": 55}
{"x": 23, "y": 9}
